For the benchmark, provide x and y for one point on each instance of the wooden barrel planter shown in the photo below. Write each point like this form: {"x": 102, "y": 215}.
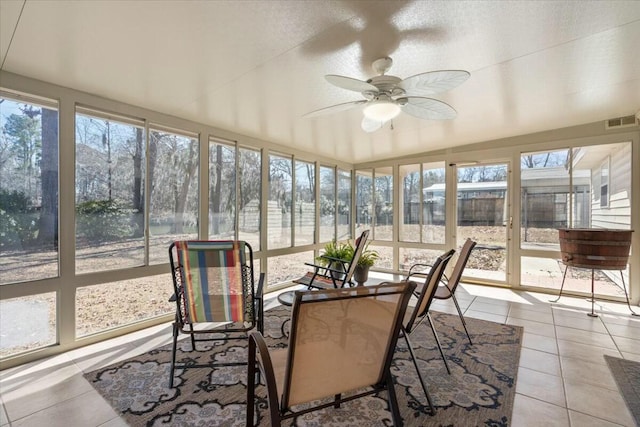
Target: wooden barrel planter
{"x": 595, "y": 248}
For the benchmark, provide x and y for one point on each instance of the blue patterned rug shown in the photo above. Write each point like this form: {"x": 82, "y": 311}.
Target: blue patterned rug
{"x": 627, "y": 376}
{"x": 479, "y": 391}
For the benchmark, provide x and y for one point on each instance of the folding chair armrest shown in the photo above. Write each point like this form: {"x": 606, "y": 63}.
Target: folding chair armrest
{"x": 258, "y": 344}
{"x": 316, "y": 266}
{"x": 424, "y": 273}
{"x": 330, "y": 258}
{"x": 260, "y": 289}
{"x": 259, "y": 303}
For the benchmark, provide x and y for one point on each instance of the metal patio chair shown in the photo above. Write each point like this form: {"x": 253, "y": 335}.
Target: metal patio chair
{"x": 326, "y": 277}
{"x": 341, "y": 340}
{"x": 213, "y": 283}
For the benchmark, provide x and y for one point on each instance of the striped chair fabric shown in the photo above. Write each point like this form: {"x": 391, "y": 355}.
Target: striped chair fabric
{"x": 212, "y": 279}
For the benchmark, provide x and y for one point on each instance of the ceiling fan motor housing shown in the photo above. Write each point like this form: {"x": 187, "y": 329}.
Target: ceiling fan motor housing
{"x": 385, "y": 83}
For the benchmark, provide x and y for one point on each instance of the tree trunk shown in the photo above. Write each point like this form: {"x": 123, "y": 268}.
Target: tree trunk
{"x": 215, "y": 195}
{"x": 138, "y": 193}
{"x": 181, "y": 198}
{"x": 48, "y": 224}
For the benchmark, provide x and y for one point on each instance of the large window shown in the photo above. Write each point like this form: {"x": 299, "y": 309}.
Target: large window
{"x": 344, "y": 204}
{"x": 545, "y": 194}
{"x": 249, "y": 196}
{"x": 364, "y": 200}
{"x": 423, "y": 203}
{"x": 583, "y": 187}
{"x": 383, "y": 204}
{"x": 279, "y": 206}
{"x": 305, "y": 203}
{"x": 110, "y": 305}
{"x": 173, "y": 174}
{"x": 28, "y": 190}
{"x": 27, "y": 323}
{"x": 222, "y": 190}
{"x": 327, "y": 204}
{"x": 109, "y": 203}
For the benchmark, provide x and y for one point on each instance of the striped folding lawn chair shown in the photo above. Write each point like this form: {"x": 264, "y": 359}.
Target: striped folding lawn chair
{"x": 214, "y": 289}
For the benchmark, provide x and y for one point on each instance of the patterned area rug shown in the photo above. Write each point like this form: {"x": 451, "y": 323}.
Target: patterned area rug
{"x": 479, "y": 391}
{"x": 627, "y": 376}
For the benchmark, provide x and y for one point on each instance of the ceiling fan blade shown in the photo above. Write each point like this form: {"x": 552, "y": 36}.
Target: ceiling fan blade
{"x": 427, "y": 108}
{"x": 433, "y": 82}
{"x": 370, "y": 125}
{"x": 335, "y": 108}
{"x": 350, "y": 84}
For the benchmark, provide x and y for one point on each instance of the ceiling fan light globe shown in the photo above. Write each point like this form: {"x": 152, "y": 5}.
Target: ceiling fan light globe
{"x": 381, "y": 111}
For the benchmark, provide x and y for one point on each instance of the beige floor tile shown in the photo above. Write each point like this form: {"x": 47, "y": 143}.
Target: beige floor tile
{"x": 536, "y": 316}
{"x": 45, "y": 392}
{"x": 4, "y": 420}
{"x": 579, "y": 310}
{"x": 540, "y": 361}
{"x": 485, "y": 316}
{"x": 598, "y": 402}
{"x": 583, "y": 420}
{"x": 493, "y": 302}
{"x": 628, "y": 345}
{"x": 28, "y": 371}
{"x": 541, "y": 386}
{"x": 631, "y": 356}
{"x": 499, "y": 309}
{"x": 530, "y": 326}
{"x": 533, "y": 303}
{"x": 584, "y": 337}
{"x": 591, "y": 373}
{"x": 530, "y": 412}
{"x": 585, "y": 352}
{"x": 585, "y": 323}
{"x": 89, "y": 409}
{"x": 621, "y": 319}
{"x": 540, "y": 342}
{"x": 115, "y": 422}
{"x": 624, "y": 331}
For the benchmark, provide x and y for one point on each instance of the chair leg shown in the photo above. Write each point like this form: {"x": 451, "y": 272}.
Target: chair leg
{"x": 435, "y": 335}
{"x": 193, "y": 337}
{"x": 173, "y": 354}
{"x": 393, "y": 401}
{"x": 251, "y": 384}
{"x": 415, "y": 363}
{"x": 464, "y": 324}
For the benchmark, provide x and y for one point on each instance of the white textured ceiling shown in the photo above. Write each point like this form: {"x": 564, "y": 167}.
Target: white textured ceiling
{"x": 255, "y": 67}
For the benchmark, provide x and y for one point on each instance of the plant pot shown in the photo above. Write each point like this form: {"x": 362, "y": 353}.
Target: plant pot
{"x": 337, "y": 266}
{"x": 361, "y": 274}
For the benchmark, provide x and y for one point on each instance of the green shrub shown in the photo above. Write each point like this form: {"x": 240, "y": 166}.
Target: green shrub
{"x": 104, "y": 220}
{"x": 18, "y": 220}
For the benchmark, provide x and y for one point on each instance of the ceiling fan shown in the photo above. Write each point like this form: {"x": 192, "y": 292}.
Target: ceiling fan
{"x": 386, "y": 96}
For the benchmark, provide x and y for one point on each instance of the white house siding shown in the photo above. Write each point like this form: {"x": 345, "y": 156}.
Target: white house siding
{"x": 618, "y": 214}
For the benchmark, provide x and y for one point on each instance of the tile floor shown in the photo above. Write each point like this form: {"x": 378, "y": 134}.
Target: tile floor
{"x": 563, "y": 380}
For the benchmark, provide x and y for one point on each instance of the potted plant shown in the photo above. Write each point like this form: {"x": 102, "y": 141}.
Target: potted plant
{"x": 335, "y": 256}
{"x": 367, "y": 259}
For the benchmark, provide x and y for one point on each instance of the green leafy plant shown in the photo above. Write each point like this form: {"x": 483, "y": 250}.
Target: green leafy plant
{"x": 368, "y": 256}
{"x": 333, "y": 249}
{"x": 104, "y": 220}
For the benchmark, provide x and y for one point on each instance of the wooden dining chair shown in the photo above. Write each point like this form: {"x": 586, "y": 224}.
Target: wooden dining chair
{"x": 341, "y": 340}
